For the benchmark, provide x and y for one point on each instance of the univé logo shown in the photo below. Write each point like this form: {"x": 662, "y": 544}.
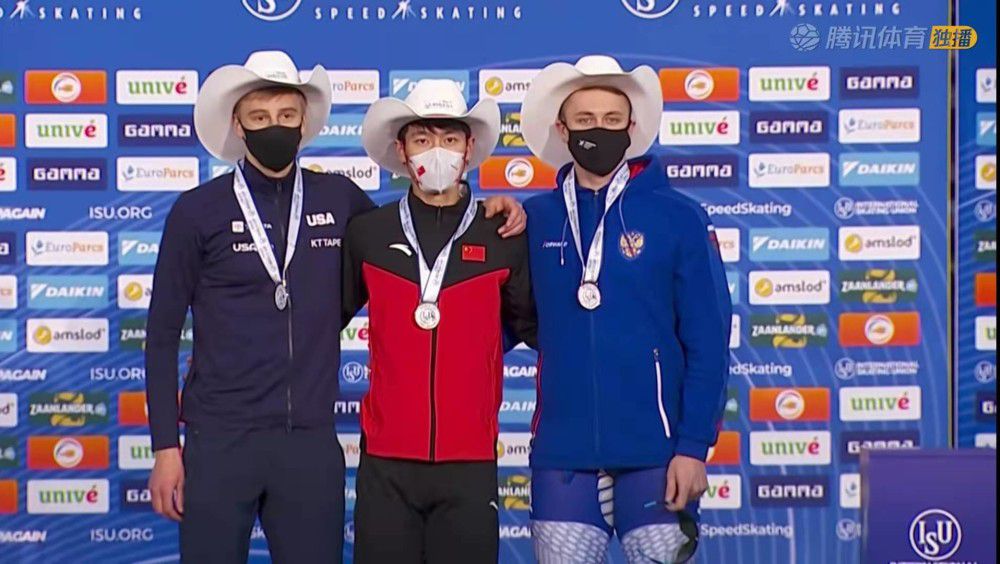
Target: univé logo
{"x": 880, "y": 403}
{"x": 935, "y": 534}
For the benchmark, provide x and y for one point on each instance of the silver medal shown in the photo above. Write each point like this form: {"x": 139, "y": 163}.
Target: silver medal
{"x": 281, "y": 297}
{"x": 427, "y": 316}
{"x": 589, "y": 295}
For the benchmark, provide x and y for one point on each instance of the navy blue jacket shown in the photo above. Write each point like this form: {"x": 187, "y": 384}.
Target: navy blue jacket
{"x": 643, "y": 377}
{"x": 254, "y": 366}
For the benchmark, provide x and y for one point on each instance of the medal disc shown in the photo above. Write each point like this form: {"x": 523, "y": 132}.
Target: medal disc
{"x": 427, "y": 316}
{"x": 589, "y": 296}
{"x": 281, "y": 297}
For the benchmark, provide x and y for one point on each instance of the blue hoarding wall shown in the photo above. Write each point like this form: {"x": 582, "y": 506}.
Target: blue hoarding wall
{"x": 824, "y": 171}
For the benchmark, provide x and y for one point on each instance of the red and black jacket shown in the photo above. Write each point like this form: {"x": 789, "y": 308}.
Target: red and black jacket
{"x": 434, "y": 395}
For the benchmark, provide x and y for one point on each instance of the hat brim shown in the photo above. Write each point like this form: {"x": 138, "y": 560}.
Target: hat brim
{"x": 551, "y": 87}
{"x": 213, "y": 111}
{"x": 387, "y": 116}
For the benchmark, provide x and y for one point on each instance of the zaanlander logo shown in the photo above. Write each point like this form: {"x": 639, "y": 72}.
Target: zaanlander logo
{"x": 716, "y": 171}
{"x": 783, "y": 84}
{"x": 787, "y": 448}
{"x": 789, "y": 330}
{"x": 68, "y": 131}
{"x": 700, "y": 128}
{"x": 510, "y": 130}
{"x": 67, "y": 409}
{"x": 789, "y": 287}
{"x": 879, "y": 285}
{"x": 880, "y": 169}
{"x": 514, "y": 491}
{"x": 880, "y": 403}
{"x": 362, "y": 170}
{"x": 789, "y": 170}
{"x": 898, "y": 242}
{"x": 882, "y": 125}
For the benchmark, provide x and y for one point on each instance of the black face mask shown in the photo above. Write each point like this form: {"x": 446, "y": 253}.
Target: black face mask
{"x": 274, "y": 147}
{"x": 599, "y": 150}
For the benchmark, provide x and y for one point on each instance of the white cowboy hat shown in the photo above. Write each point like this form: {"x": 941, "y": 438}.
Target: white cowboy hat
{"x": 429, "y": 99}
{"x": 550, "y": 88}
{"x": 213, "y": 111}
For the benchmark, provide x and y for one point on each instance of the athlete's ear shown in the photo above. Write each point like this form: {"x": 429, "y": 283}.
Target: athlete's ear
{"x": 563, "y": 131}
{"x": 470, "y": 145}
{"x": 238, "y": 127}
{"x": 401, "y": 151}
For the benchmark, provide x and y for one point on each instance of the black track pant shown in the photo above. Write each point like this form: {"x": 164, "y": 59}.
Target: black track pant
{"x": 415, "y": 512}
{"x": 294, "y": 481}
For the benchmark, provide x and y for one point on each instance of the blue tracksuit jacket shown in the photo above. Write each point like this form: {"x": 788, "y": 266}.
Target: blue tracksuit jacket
{"x": 643, "y": 377}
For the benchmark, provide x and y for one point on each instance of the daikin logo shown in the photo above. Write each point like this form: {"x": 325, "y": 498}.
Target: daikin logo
{"x": 880, "y": 169}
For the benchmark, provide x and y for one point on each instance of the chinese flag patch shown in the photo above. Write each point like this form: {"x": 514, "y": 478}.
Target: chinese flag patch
{"x": 473, "y": 253}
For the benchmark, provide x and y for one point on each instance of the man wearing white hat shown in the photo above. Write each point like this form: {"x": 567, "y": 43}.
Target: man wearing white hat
{"x": 634, "y": 319}
{"x": 258, "y": 401}
{"x": 442, "y": 287}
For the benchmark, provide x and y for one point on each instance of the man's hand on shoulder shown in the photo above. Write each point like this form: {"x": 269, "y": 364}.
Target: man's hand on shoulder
{"x": 517, "y": 219}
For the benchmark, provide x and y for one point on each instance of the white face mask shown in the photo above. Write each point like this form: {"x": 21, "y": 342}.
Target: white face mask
{"x": 437, "y": 170}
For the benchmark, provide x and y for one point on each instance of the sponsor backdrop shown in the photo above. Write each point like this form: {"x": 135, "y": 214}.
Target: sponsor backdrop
{"x": 814, "y": 135}
{"x": 975, "y": 246}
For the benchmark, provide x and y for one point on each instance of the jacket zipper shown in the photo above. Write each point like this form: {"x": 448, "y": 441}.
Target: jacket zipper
{"x": 659, "y": 393}
{"x": 593, "y": 348}
{"x": 291, "y": 356}
{"x": 433, "y": 437}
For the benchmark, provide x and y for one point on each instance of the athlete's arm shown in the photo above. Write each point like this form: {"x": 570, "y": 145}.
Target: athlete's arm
{"x": 175, "y": 277}
{"x": 516, "y": 301}
{"x": 354, "y": 294}
{"x": 704, "y": 314}
{"x": 177, "y": 266}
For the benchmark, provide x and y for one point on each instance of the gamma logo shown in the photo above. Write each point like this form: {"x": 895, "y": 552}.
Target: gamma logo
{"x": 935, "y": 535}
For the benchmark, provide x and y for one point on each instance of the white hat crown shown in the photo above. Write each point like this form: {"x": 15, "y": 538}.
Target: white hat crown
{"x": 595, "y": 65}
{"x": 274, "y": 66}
{"x": 437, "y": 98}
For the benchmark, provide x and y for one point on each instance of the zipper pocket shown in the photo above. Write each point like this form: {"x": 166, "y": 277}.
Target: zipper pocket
{"x": 659, "y": 393}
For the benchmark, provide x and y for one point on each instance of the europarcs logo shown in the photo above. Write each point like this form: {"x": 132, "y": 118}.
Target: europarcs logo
{"x": 271, "y": 10}
{"x": 650, "y": 9}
